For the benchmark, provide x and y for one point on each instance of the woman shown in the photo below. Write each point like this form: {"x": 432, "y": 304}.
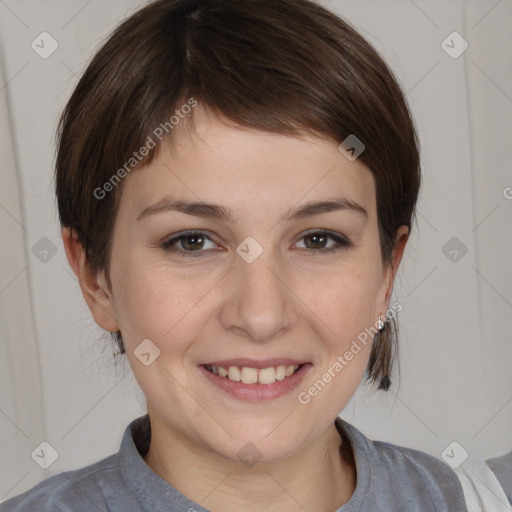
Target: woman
{"x": 236, "y": 183}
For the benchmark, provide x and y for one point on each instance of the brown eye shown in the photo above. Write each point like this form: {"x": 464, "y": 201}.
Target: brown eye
{"x": 324, "y": 241}
{"x": 317, "y": 241}
{"x": 191, "y": 243}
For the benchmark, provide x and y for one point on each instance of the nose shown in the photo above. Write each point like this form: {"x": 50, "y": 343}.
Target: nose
{"x": 259, "y": 303}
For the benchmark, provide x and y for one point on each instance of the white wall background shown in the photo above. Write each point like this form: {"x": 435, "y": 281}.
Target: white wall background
{"x": 58, "y": 379}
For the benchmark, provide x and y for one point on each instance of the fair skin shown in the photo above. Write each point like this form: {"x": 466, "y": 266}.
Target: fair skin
{"x": 292, "y": 302}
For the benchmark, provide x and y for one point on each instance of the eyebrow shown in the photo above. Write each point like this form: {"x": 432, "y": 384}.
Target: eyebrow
{"x": 215, "y": 211}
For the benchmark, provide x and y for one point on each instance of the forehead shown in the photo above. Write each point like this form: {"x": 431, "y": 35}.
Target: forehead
{"x": 247, "y": 168}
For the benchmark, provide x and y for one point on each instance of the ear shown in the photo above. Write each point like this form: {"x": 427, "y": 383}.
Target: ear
{"x": 390, "y": 270}
{"x": 93, "y": 285}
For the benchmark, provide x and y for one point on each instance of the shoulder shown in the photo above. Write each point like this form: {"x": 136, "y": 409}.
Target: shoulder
{"x": 403, "y": 460}
{"x": 405, "y": 478}
{"x": 80, "y": 490}
{"x": 414, "y": 465}
{"x": 409, "y": 459}
{"x": 105, "y": 486}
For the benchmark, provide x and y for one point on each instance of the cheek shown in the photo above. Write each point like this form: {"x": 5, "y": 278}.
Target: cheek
{"x": 153, "y": 302}
{"x": 344, "y": 299}
{"x": 345, "y": 304}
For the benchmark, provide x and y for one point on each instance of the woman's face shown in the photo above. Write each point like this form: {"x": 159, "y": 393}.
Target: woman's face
{"x": 276, "y": 273}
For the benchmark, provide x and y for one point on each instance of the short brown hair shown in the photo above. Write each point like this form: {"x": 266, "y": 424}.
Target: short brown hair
{"x": 282, "y": 66}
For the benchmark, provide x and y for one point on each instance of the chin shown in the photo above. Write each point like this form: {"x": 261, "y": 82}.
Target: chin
{"x": 251, "y": 441}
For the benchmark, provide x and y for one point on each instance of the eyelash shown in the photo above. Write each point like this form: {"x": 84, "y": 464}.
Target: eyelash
{"x": 169, "y": 245}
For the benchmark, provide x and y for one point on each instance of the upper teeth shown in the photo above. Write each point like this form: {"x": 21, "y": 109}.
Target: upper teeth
{"x": 252, "y": 375}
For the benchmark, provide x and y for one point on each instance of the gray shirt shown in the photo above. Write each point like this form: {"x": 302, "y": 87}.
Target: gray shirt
{"x": 389, "y": 478}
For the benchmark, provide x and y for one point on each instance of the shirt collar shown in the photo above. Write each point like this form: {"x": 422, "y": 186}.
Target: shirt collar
{"x": 156, "y": 495}
{"x": 152, "y": 492}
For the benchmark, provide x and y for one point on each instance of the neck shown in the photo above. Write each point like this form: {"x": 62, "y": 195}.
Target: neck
{"x": 319, "y": 478}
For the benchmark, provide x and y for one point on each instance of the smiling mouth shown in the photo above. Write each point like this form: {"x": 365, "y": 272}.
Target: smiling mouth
{"x": 248, "y": 375}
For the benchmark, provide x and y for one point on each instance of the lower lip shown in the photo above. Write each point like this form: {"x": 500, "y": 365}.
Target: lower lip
{"x": 257, "y": 392}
